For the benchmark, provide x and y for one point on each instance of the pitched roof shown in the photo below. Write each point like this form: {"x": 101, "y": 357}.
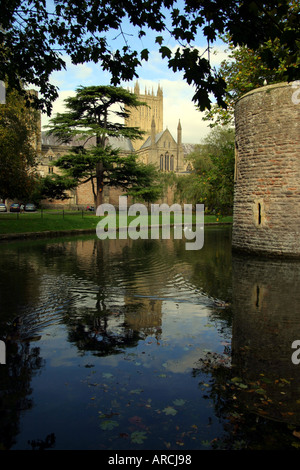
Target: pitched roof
{"x": 120, "y": 142}
{"x": 147, "y": 143}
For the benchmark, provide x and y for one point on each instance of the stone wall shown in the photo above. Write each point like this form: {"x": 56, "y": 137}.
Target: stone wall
{"x": 267, "y": 172}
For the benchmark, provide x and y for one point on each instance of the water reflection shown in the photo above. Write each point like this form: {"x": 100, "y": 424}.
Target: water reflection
{"x": 123, "y": 344}
{"x": 266, "y": 322}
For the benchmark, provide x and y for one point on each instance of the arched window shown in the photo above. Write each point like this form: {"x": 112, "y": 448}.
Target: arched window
{"x": 161, "y": 164}
{"x": 172, "y": 163}
{"x": 167, "y": 162}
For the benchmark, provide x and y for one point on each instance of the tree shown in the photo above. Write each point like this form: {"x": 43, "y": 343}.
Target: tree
{"x": 91, "y": 117}
{"x": 247, "y": 69}
{"x": 18, "y": 130}
{"x": 211, "y": 181}
{"x": 35, "y": 37}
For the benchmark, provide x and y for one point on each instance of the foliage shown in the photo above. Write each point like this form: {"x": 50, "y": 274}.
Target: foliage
{"x": 212, "y": 179}
{"x": 52, "y": 187}
{"x": 17, "y": 152}
{"x": 91, "y": 117}
{"x": 247, "y": 69}
{"x": 36, "y": 37}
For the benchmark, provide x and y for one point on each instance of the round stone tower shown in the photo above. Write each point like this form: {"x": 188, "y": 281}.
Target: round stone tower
{"x": 267, "y": 171}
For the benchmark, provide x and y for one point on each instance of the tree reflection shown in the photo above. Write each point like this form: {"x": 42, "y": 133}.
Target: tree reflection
{"x": 23, "y": 361}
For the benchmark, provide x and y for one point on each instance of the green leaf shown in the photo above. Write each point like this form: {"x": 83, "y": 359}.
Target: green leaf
{"x": 165, "y": 52}
{"x": 179, "y": 402}
{"x": 108, "y": 425}
{"x": 145, "y": 54}
{"x": 169, "y": 410}
{"x": 138, "y": 437}
{"x": 137, "y": 391}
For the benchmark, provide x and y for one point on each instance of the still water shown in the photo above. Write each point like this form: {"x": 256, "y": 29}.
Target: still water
{"x": 141, "y": 344}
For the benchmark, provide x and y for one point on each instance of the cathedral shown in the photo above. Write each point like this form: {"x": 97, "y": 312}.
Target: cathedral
{"x": 158, "y": 147}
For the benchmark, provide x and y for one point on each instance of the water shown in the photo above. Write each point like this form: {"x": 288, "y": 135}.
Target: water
{"x": 122, "y": 344}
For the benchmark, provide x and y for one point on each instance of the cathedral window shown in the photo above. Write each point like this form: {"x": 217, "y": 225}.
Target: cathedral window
{"x": 172, "y": 163}
{"x": 161, "y": 165}
{"x": 167, "y": 162}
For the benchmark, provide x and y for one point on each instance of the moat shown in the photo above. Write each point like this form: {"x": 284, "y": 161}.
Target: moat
{"x": 142, "y": 344}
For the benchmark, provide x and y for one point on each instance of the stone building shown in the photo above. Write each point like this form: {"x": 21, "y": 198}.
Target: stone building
{"x": 267, "y": 171}
{"x": 158, "y": 147}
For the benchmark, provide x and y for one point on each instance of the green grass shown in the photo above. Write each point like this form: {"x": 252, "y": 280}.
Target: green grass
{"x": 58, "y": 221}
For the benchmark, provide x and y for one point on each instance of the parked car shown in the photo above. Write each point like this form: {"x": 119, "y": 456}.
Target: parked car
{"x": 30, "y": 208}
{"x": 15, "y": 207}
{"x": 3, "y": 207}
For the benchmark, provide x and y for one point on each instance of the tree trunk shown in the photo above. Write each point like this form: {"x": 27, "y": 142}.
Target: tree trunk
{"x": 99, "y": 184}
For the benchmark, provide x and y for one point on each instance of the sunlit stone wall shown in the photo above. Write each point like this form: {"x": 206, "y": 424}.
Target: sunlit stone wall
{"x": 267, "y": 171}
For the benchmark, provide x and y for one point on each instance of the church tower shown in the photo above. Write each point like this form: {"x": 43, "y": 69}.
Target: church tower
{"x": 142, "y": 116}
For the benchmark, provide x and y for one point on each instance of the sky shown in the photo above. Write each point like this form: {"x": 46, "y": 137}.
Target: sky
{"x": 178, "y": 104}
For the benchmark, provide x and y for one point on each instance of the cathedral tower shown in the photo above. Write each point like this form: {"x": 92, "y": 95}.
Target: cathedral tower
{"x": 142, "y": 116}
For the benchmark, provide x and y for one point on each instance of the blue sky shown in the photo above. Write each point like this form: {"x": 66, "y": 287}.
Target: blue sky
{"x": 177, "y": 94}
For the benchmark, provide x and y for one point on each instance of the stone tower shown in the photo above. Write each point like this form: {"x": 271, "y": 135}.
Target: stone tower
{"x": 267, "y": 174}
{"x": 142, "y": 116}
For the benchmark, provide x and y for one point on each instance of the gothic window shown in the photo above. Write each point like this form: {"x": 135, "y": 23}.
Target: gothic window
{"x": 161, "y": 165}
{"x": 50, "y": 169}
{"x": 172, "y": 163}
{"x": 167, "y": 162}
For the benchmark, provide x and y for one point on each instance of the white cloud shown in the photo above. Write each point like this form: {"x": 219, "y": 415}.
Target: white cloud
{"x": 58, "y": 106}
{"x": 178, "y": 94}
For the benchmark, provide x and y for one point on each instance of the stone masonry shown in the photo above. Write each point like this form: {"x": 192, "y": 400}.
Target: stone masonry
{"x": 267, "y": 171}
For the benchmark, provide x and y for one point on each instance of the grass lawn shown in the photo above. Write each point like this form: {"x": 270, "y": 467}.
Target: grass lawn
{"x": 67, "y": 220}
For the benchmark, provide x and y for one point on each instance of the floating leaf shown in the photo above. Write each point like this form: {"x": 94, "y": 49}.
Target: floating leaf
{"x": 138, "y": 437}
{"x": 260, "y": 391}
{"x": 236, "y": 379}
{"x": 169, "y": 410}
{"x": 136, "y": 420}
{"x": 137, "y": 391}
{"x": 108, "y": 425}
{"x": 107, "y": 375}
{"x": 179, "y": 402}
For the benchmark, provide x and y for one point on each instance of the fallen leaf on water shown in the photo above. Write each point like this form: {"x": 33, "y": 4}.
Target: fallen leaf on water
{"x": 138, "y": 437}
{"x": 107, "y": 375}
{"x": 136, "y": 391}
{"x": 169, "y": 410}
{"x": 180, "y": 443}
{"x": 296, "y": 434}
{"x": 108, "y": 425}
{"x": 179, "y": 402}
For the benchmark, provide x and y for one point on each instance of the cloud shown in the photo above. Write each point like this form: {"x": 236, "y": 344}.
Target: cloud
{"x": 178, "y": 105}
{"x": 178, "y": 94}
{"x": 58, "y": 106}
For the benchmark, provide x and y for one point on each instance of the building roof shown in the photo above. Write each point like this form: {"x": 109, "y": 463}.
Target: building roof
{"x": 147, "y": 143}
{"x": 120, "y": 142}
